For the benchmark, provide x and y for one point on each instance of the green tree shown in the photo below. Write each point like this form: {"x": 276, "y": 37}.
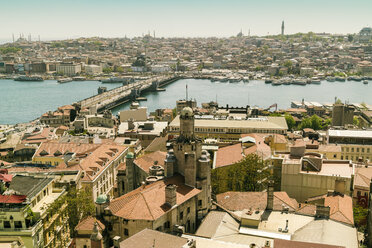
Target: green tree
{"x": 249, "y": 174}
{"x": 338, "y": 101}
{"x": 80, "y": 205}
{"x": 355, "y": 121}
{"x": 291, "y": 123}
{"x": 118, "y": 69}
{"x": 107, "y": 70}
{"x": 360, "y": 217}
{"x": 316, "y": 122}
{"x": 350, "y": 38}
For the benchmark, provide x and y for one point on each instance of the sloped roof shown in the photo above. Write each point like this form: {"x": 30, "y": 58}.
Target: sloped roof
{"x": 154, "y": 239}
{"x": 87, "y": 224}
{"x": 12, "y": 198}
{"x": 216, "y": 224}
{"x": 148, "y": 202}
{"x": 147, "y": 160}
{"x": 238, "y": 201}
{"x": 28, "y": 185}
{"x": 229, "y": 155}
{"x": 341, "y": 207}
{"x": 281, "y": 243}
{"x": 363, "y": 177}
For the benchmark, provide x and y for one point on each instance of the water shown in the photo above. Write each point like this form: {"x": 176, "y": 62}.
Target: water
{"x": 256, "y": 93}
{"x": 25, "y": 101}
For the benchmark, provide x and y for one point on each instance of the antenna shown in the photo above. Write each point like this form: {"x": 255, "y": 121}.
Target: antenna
{"x": 186, "y": 93}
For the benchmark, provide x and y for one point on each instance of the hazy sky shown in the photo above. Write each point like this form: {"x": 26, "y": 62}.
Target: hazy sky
{"x": 61, "y": 19}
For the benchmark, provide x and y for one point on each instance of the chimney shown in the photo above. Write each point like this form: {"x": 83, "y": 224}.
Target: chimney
{"x": 171, "y": 195}
{"x": 116, "y": 240}
{"x": 270, "y": 197}
{"x": 322, "y": 212}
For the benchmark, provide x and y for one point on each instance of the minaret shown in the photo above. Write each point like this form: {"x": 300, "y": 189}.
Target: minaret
{"x": 282, "y": 27}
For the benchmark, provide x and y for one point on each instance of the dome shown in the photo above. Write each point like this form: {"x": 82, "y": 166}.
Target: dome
{"x": 129, "y": 155}
{"x": 101, "y": 199}
{"x": 187, "y": 111}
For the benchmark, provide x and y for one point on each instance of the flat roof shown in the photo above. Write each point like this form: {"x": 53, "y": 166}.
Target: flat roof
{"x": 367, "y": 134}
{"x": 257, "y": 123}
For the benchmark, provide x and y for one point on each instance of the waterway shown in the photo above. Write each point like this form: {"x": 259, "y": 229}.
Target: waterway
{"x": 25, "y": 101}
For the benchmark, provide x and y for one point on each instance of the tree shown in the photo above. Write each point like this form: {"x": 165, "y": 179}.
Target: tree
{"x": 338, "y": 101}
{"x": 360, "y": 217}
{"x": 290, "y": 121}
{"x": 107, "y": 70}
{"x": 355, "y": 121}
{"x": 316, "y": 122}
{"x": 80, "y": 205}
{"x": 350, "y": 38}
{"x": 249, "y": 174}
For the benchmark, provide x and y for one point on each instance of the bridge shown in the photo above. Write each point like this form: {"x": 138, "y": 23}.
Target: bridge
{"x": 125, "y": 93}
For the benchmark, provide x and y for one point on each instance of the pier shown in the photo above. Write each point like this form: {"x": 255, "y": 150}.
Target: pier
{"x": 117, "y": 96}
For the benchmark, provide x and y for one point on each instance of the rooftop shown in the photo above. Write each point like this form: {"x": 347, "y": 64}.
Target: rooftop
{"x": 148, "y": 202}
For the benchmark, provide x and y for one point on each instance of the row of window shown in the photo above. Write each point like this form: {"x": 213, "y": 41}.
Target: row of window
{"x": 357, "y": 149}
{"x": 231, "y": 130}
{"x": 354, "y": 158}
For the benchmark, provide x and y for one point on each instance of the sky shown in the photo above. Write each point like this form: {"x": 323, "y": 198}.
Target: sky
{"x": 65, "y": 19}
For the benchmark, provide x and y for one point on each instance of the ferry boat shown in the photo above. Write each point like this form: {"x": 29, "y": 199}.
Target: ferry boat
{"x": 330, "y": 79}
{"x": 276, "y": 83}
{"x": 245, "y": 79}
{"x": 365, "y": 82}
{"x": 340, "y": 79}
{"x": 64, "y": 80}
{"x": 28, "y": 78}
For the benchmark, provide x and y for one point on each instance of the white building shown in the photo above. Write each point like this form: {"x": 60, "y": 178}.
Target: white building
{"x": 69, "y": 69}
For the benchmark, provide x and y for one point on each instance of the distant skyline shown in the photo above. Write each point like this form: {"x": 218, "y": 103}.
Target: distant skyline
{"x": 65, "y": 19}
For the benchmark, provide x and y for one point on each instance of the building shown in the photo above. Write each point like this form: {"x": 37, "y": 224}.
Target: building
{"x": 145, "y": 131}
{"x": 170, "y": 207}
{"x": 176, "y": 202}
{"x": 342, "y": 115}
{"x": 61, "y": 117}
{"x": 226, "y": 129}
{"x": 97, "y": 161}
{"x": 142, "y": 169}
{"x": 135, "y": 112}
{"x": 365, "y": 35}
{"x": 25, "y": 206}
{"x": 93, "y": 69}
{"x": 68, "y": 69}
{"x": 356, "y": 145}
{"x": 308, "y": 175}
{"x": 89, "y": 233}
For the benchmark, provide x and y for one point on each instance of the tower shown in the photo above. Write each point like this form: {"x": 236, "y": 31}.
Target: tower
{"x": 282, "y": 27}
{"x": 188, "y": 159}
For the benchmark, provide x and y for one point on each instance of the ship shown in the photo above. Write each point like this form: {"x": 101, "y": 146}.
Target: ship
{"x": 28, "y": 78}
{"x": 365, "y": 81}
{"x": 64, "y": 80}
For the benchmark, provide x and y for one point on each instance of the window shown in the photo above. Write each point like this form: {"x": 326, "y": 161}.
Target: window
{"x": 357, "y": 149}
{"x": 342, "y": 157}
{"x": 200, "y": 202}
{"x": 188, "y": 210}
{"x": 358, "y": 193}
{"x": 126, "y": 232}
{"x": 334, "y": 155}
{"x": 181, "y": 215}
{"x": 362, "y": 149}
{"x": 352, "y": 149}
{"x": 166, "y": 224}
{"x": 18, "y": 224}
{"x": 6, "y": 224}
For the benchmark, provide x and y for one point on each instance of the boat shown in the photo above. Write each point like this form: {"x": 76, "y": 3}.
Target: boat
{"x": 64, "y": 80}
{"x": 28, "y": 78}
{"x": 113, "y": 80}
{"x": 299, "y": 82}
{"x": 365, "y": 82}
{"x": 315, "y": 81}
{"x": 245, "y": 79}
{"x": 340, "y": 79}
{"x": 276, "y": 83}
{"x": 79, "y": 78}
{"x": 287, "y": 81}
{"x": 224, "y": 79}
{"x": 330, "y": 79}
{"x": 268, "y": 81}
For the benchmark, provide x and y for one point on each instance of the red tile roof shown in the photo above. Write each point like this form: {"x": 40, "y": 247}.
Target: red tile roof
{"x": 148, "y": 160}
{"x": 148, "y": 202}
{"x": 12, "y": 198}
{"x": 87, "y": 224}
{"x": 281, "y": 243}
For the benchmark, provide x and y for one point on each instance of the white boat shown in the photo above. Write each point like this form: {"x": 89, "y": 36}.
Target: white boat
{"x": 64, "y": 80}
{"x": 365, "y": 82}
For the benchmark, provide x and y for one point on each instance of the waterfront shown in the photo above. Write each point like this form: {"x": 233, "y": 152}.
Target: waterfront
{"x": 25, "y": 101}
{"x": 255, "y": 93}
